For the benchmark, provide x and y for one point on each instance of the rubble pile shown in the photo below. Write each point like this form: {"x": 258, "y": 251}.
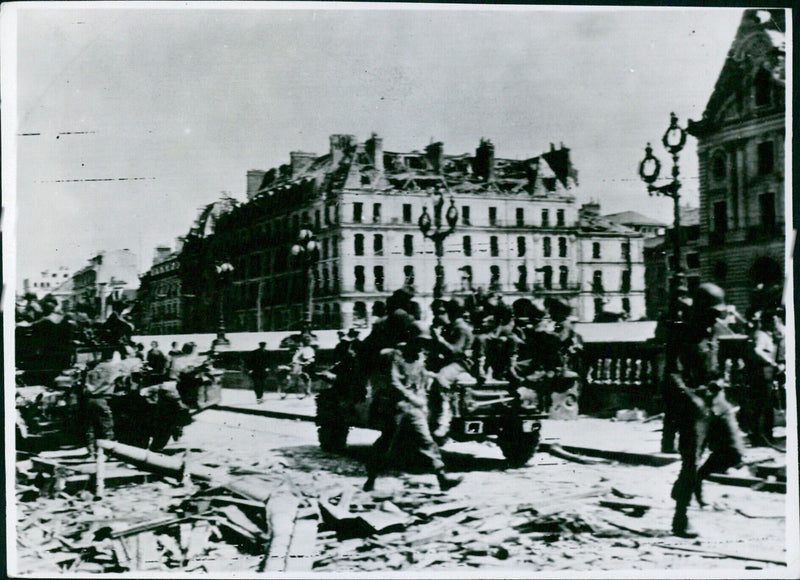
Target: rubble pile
{"x": 221, "y": 522}
{"x": 423, "y": 529}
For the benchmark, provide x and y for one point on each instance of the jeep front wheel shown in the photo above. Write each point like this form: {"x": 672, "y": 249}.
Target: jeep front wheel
{"x": 332, "y": 437}
{"x": 519, "y": 448}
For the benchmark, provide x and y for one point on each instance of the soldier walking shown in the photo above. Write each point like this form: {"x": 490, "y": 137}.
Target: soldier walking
{"x": 401, "y": 407}
{"x": 705, "y": 417}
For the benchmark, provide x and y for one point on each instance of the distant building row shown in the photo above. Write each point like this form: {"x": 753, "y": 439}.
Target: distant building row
{"x": 519, "y": 233}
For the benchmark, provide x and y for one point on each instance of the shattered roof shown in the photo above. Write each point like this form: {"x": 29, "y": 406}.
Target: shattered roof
{"x": 550, "y": 173}
{"x": 597, "y": 224}
{"x": 633, "y": 218}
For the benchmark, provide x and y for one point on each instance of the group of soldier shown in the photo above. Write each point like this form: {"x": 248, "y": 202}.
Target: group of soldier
{"x": 412, "y": 367}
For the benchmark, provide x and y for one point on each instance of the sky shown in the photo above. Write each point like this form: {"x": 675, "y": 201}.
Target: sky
{"x": 128, "y": 120}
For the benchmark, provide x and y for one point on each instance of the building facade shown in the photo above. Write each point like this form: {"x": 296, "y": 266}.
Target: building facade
{"x": 46, "y": 282}
{"x": 610, "y": 264}
{"x": 660, "y": 262}
{"x": 517, "y": 232}
{"x": 741, "y": 139}
{"x": 109, "y": 279}
{"x": 160, "y": 296}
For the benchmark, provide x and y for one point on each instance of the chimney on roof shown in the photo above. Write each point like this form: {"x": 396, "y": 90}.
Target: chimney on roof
{"x": 483, "y": 164}
{"x": 558, "y": 160}
{"x": 254, "y": 179}
{"x": 435, "y": 154}
{"x": 340, "y": 146}
{"x": 375, "y": 151}
{"x": 589, "y": 210}
{"x": 162, "y": 253}
{"x": 301, "y": 161}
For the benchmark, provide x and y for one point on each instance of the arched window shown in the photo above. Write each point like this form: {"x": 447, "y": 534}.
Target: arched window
{"x": 359, "y": 244}
{"x": 563, "y": 276}
{"x": 547, "y": 249}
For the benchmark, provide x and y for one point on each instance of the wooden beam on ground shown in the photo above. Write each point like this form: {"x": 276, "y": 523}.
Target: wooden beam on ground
{"x": 281, "y": 513}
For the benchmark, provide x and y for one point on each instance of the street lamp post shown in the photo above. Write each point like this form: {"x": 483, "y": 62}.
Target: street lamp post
{"x": 307, "y": 251}
{"x": 224, "y": 271}
{"x": 674, "y": 139}
{"x": 436, "y": 231}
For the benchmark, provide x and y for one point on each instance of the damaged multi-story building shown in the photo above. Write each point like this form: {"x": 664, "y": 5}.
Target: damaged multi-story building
{"x": 517, "y": 233}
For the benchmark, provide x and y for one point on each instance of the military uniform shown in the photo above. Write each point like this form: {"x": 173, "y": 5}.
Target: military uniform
{"x": 400, "y": 407}
{"x": 705, "y": 417}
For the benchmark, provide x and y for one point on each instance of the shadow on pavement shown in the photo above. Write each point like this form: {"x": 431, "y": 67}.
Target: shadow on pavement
{"x": 353, "y": 460}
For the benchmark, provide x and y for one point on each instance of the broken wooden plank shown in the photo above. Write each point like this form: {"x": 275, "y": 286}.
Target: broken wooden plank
{"x": 722, "y": 554}
{"x": 442, "y": 509}
{"x": 254, "y": 489}
{"x": 153, "y": 525}
{"x": 236, "y": 516}
{"x": 198, "y": 540}
{"x": 303, "y": 547}
{"x": 634, "y": 508}
{"x": 380, "y": 522}
{"x": 281, "y": 513}
{"x": 147, "y": 554}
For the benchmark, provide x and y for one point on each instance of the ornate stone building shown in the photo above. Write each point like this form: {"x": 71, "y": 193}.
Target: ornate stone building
{"x": 741, "y": 139}
{"x": 517, "y": 233}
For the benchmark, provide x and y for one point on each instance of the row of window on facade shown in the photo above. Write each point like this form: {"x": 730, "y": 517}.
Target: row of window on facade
{"x": 168, "y": 310}
{"x": 765, "y": 162}
{"x": 494, "y": 246}
{"x": 767, "y": 218}
{"x": 466, "y": 215}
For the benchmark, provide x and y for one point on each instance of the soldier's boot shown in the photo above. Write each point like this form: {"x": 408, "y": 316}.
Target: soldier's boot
{"x": 698, "y": 493}
{"x": 680, "y": 523}
{"x": 447, "y": 482}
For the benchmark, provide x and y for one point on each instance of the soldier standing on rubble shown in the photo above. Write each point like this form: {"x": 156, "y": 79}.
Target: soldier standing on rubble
{"x": 400, "y": 382}
{"x": 705, "y": 417}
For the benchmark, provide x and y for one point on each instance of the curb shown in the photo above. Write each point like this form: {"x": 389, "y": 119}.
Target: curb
{"x": 651, "y": 459}
{"x": 264, "y": 413}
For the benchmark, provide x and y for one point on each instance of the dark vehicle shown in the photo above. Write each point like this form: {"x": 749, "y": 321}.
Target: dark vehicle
{"x": 144, "y": 416}
{"x": 493, "y": 411}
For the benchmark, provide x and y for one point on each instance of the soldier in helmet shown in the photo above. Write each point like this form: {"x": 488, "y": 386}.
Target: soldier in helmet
{"x": 401, "y": 382}
{"x": 705, "y": 417}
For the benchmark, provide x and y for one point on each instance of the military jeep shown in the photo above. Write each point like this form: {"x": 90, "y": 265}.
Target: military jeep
{"x": 490, "y": 411}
